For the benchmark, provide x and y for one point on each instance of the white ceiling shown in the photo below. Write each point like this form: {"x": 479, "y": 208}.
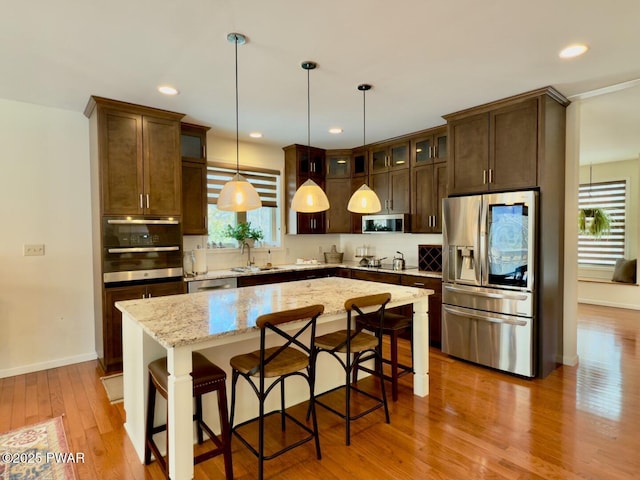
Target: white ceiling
{"x": 424, "y": 58}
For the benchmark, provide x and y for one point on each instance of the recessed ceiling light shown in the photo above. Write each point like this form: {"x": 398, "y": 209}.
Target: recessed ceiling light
{"x": 573, "y": 51}
{"x": 255, "y": 135}
{"x": 168, "y": 90}
{"x": 335, "y": 130}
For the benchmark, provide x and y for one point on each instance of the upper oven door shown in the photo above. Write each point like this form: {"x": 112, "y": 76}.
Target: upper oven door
{"x": 140, "y": 249}
{"x": 509, "y": 232}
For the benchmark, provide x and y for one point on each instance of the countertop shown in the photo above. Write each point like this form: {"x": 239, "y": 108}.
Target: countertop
{"x": 228, "y": 273}
{"x": 179, "y": 320}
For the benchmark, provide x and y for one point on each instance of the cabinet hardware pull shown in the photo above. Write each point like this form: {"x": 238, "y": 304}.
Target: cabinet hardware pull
{"x": 147, "y": 200}
{"x": 435, "y": 221}
{"x": 429, "y": 220}
{"x": 418, "y": 284}
{"x": 484, "y": 177}
{"x": 491, "y": 175}
{"x": 430, "y": 152}
{"x": 141, "y": 205}
{"x": 435, "y": 151}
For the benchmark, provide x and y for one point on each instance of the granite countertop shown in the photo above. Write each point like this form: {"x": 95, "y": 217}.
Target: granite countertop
{"x": 229, "y": 273}
{"x": 178, "y": 320}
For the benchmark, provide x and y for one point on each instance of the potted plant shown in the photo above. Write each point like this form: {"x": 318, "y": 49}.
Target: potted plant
{"x": 593, "y": 221}
{"x": 242, "y": 232}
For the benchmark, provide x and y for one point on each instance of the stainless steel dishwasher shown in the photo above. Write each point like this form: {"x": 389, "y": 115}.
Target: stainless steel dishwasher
{"x": 196, "y": 286}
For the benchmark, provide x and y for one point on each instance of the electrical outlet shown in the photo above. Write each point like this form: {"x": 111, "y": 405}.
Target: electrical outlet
{"x": 33, "y": 250}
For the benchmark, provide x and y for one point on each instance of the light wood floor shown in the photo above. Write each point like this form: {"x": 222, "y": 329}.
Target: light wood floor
{"x": 579, "y": 422}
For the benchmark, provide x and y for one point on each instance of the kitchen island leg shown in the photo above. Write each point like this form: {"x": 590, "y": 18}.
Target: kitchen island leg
{"x": 421, "y": 347}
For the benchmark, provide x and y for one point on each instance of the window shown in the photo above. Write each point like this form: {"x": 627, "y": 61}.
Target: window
{"x": 605, "y": 249}
{"x": 266, "y": 182}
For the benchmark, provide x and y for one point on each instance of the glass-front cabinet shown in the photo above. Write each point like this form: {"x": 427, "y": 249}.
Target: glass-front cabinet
{"x": 338, "y": 163}
{"x": 387, "y": 157}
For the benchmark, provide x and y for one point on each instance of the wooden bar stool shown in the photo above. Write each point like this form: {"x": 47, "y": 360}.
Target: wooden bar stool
{"x": 207, "y": 377}
{"x": 279, "y": 363}
{"x": 352, "y": 344}
{"x": 393, "y": 325}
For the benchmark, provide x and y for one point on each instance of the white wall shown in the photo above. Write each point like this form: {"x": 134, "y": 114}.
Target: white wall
{"x": 46, "y": 303}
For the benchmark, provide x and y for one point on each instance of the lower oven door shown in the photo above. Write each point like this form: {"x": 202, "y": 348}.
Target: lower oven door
{"x": 496, "y": 340}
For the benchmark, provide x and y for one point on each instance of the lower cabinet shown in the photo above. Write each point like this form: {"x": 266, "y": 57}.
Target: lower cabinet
{"x": 435, "y": 300}
{"x": 279, "y": 277}
{"x": 435, "y": 304}
{"x": 110, "y": 357}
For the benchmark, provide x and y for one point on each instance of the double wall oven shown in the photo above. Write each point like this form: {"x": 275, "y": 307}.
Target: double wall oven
{"x": 141, "y": 249}
{"x": 141, "y": 258}
{"x": 488, "y": 291}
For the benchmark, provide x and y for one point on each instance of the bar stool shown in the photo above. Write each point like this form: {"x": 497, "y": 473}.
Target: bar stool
{"x": 278, "y": 362}
{"x": 393, "y": 325}
{"x": 353, "y": 343}
{"x": 207, "y": 377}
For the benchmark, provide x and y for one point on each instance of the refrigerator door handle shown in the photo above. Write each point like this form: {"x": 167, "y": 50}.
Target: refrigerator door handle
{"x": 501, "y": 296}
{"x": 468, "y": 313}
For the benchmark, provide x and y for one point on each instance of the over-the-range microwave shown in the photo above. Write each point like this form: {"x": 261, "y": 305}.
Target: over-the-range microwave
{"x": 392, "y": 223}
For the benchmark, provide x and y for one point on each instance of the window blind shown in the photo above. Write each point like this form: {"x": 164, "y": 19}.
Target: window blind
{"x": 611, "y": 197}
{"x": 263, "y": 180}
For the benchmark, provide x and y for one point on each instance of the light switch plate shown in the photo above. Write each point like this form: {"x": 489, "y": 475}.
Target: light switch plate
{"x": 33, "y": 250}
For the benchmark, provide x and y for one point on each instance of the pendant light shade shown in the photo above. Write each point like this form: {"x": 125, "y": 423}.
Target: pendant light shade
{"x": 309, "y": 198}
{"x": 364, "y": 200}
{"x": 238, "y": 195}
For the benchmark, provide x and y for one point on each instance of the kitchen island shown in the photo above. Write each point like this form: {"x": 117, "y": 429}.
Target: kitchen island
{"x": 221, "y": 324}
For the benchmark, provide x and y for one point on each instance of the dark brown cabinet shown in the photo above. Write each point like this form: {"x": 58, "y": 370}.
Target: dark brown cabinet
{"x": 139, "y": 158}
{"x": 279, "y": 277}
{"x": 393, "y": 190}
{"x": 110, "y": 349}
{"x": 338, "y": 190}
{"x": 303, "y": 163}
{"x": 435, "y": 304}
{"x": 193, "y": 141}
{"x": 495, "y": 150}
{"x": 429, "y": 182}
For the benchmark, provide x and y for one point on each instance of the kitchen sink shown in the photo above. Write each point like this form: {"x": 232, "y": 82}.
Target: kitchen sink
{"x": 252, "y": 269}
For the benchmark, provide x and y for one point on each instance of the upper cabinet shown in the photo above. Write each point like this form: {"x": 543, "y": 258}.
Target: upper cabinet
{"x": 300, "y": 164}
{"x": 389, "y": 156}
{"x": 498, "y": 147}
{"x": 428, "y": 180}
{"x": 138, "y": 157}
{"x": 193, "y": 141}
{"x": 338, "y": 190}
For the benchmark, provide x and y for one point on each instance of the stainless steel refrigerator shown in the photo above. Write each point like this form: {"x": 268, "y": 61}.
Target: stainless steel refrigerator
{"x": 488, "y": 291}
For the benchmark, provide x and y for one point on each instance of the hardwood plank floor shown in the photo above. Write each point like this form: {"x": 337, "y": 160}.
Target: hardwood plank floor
{"x": 579, "y": 422}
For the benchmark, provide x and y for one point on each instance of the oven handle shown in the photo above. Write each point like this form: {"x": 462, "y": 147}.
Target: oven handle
{"x": 501, "y": 296}
{"x": 143, "y": 249}
{"x": 141, "y": 221}
{"x": 467, "y": 313}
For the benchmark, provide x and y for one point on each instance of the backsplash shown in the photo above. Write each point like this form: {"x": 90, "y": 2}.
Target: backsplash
{"x": 430, "y": 258}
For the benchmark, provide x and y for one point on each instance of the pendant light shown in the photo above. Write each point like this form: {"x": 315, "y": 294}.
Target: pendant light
{"x": 238, "y": 195}
{"x": 364, "y": 200}
{"x": 309, "y": 198}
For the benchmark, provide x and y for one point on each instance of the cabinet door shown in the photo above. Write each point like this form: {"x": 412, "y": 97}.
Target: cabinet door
{"x": 441, "y": 184}
{"x": 359, "y": 164}
{"x": 380, "y": 185}
{"x": 338, "y": 217}
{"x": 514, "y": 146}
{"x": 194, "y": 198}
{"x": 469, "y": 154}
{"x": 112, "y": 325}
{"x": 440, "y": 152}
{"x": 311, "y": 222}
{"x": 120, "y": 145}
{"x": 399, "y": 156}
{"x": 379, "y": 160}
{"x": 193, "y": 141}
{"x": 423, "y": 199}
{"x": 423, "y": 149}
{"x": 310, "y": 162}
{"x": 338, "y": 164}
{"x": 399, "y": 194}
{"x": 164, "y": 289}
{"x": 162, "y": 166}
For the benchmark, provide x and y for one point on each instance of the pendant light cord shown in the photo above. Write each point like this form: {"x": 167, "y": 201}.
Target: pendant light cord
{"x": 309, "y": 121}
{"x": 364, "y": 117}
{"x": 237, "y": 134}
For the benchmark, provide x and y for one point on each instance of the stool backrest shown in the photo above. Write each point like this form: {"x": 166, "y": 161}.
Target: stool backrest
{"x": 272, "y": 321}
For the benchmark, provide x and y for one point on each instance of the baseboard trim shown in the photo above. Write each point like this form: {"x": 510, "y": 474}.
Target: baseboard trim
{"x": 36, "y": 367}
{"x": 604, "y": 303}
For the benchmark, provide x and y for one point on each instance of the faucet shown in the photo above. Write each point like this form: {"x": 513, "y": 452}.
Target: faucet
{"x": 245, "y": 244}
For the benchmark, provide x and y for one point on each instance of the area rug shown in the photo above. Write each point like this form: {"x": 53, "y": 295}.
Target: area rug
{"x": 113, "y": 387}
{"x": 37, "y": 451}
